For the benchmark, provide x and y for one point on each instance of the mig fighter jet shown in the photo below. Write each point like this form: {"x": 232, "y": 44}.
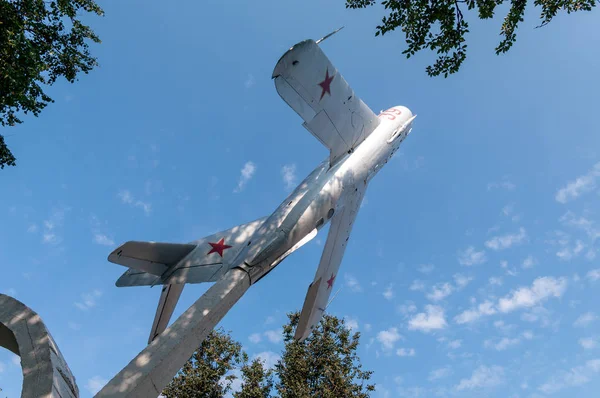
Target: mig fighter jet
{"x": 360, "y": 143}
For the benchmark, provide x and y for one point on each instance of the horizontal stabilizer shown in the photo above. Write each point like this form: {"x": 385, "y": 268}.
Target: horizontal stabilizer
{"x": 133, "y": 277}
{"x": 151, "y": 257}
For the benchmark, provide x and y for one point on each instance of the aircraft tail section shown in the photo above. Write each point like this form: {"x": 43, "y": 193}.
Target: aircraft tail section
{"x": 203, "y": 260}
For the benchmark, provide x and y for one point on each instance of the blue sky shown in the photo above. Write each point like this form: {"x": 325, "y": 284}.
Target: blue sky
{"x": 473, "y": 267}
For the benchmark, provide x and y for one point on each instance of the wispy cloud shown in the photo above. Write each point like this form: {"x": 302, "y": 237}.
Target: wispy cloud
{"x": 506, "y": 241}
{"x": 52, "y": 225}
{"x": 405, "y": 352}
{"x": 352, "y": 283}
{"x": 579, "y": 186}
{"x": 576, "y": 376}
{"x": 274, "y": 336}
{"x": 529, "y": 262}
{"x": 247, "y": 173}
{"x": 255, "y": 338}
{"x": 585, "y": 319}
{"x": 249, "y": 81}
{"x": 102, "y": 239}
{"x": 127, "y": 198}
{"x": 471, "y": 257}
{"x": 483, "y": 377}
{"x": 440, "y": 291}
{"x": 540, "y": 290}
{"x": 507, "y": 342}
{"x": 588, "y": 343}
{"x": 432, "y": 319}
{"x": 95, "y": 384}
{"x": 473, "y": 314}
{"x": 504, "y": 184}
{"x": 288, "y": 172}
{"x": 388, "y": 338}
{"x": 426, "y": 268}
{"x": 351, "y": 323}
{"x": 417, "y": 285}
{"x": 440, "y": 373}
{"x": 88, "y": 300}
{"x": 388, "y": 293}
{"x": 593, "y": 275}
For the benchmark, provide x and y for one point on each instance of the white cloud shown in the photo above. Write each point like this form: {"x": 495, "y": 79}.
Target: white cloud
{"x": 593, "y": 275}
{"x": 102, "y": 239}
{"x": 502, "y": 344}
{"x": 405, "y": 352}
{"x": 471, "y": 257}
{"x": 274, "y": 336}
{"x": 541, "y": 289}
{"x": 461, "y": 280}
{"x": 73, "y": 325}
{"x": 88, "y": 300}
{"x": 483, "y": 377}
{"x": 580, "y": 185}
{"x": 352, "y": 283}
{"x": 247, "y": 173}
{"x": 33, "y": 228}
{"x": 588, "y": 343}
{"x": 504, "y": 184}
{"x": 455, "y": 344}
{"x": 49, "y": 233}
{"x": 351, "y": 323}
{"x": 2, "y": 367}
{"x": 249, "y": 81}
{"x": 426, "y": 268}
{"x": 471, "y": 315}
{"x": 288, "y": 172}
{"x": 585, "y": 319}
{"x": 388, "y": 338}
{"x": 440, "y": 291}
{"x": 16, "y": 360}
{"x": 269, "y": 358}
{"x": 368, "y": 327}
{"x": 495, "y": 281}
{"x": 417, "y": 285}
{"x": 506, "y": 241}
{"x": 388, "y": 293}
{"x": 440, "y": 373}
{"x": 127, "y": 198}
{"x": 529, "y": 262}
{"x": 95, "y": 384}
{"x": 576, "y": 376}
{"x": 432, "y": 319}
{"x": 255, "y": 338}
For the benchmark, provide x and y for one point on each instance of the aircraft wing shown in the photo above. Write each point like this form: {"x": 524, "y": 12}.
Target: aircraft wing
{"x": 309, "y": 83}
{"x": 320, "y": 289}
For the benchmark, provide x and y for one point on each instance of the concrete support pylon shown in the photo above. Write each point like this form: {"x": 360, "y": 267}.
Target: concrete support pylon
{"x": 156, "y": 365}
{"x": 45, "y": 372}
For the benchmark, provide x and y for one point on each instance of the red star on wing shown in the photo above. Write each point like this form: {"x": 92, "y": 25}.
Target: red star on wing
{"x": 330, "y": 281}
{"x": 326, "y": 84}
{"x": 218, "y": 247}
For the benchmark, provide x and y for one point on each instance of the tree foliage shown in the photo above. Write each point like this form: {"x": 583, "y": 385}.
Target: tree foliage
{"x": 207, "y": 374}
{"x": 40, "y": 41}
{"x": 257, "y": 382}
{"x": 441, "y": 27}
{"x": 325, "y": 365}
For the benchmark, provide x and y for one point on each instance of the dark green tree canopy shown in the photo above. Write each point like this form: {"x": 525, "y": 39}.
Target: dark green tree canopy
{"x": 325, "y": 365}
{"x": 257, "y": 382}
{"x": 207, "y": 373}
{"x": 441, "y": 27}
{"x": 40, "y": 41}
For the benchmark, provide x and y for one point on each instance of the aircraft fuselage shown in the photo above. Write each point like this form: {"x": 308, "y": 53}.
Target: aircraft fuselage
{"x": 314, "y": 201}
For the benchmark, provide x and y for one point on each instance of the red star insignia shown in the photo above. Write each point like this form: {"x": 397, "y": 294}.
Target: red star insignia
{"x": 326, "y": 84}
{"x": 330, "y": 281}
{"x": 218, "y": 247}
